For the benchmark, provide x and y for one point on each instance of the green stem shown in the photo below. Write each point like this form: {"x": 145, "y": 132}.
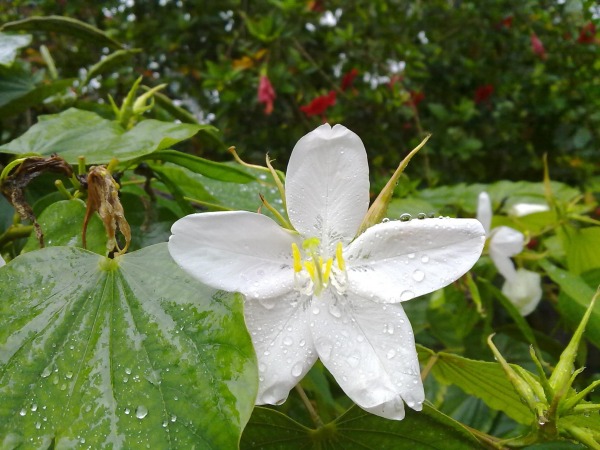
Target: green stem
{"x": 311, "y": 410}
{"x": 14, "y": 233}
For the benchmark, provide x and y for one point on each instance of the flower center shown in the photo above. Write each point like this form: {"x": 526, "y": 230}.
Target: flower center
{"x": 313, "y": 273}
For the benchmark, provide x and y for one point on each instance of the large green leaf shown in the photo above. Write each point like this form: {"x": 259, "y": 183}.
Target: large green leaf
{"x": 62, "y": 224}
{"x": 63, "y": 25}
{"x": 74, "y": 133}
{"x": 124, "y": 353}
{"x": 582, "y": 248}
{"x": 9, "y": 44}
{"x": 574, "y": 299}
{"x": 484, "y": 380}
{"x": 357, "y": 429}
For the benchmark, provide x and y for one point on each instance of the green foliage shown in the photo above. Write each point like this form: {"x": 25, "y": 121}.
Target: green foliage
{"x": 98, "y": 348}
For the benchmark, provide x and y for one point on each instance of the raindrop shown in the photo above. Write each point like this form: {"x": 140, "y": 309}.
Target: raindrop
{"x": 128, "y": 371}
{"x": 324, "y": 349}
{"x": 141, "y": 412}
{"x": 69, "y": 375}
{"x": 315, "y": 310}
{"x": 407, "y": 295}
{"x": 46, "y": 373}
{"x": 164, "y": 424}
{"x": 425, "y": 259}
{"x": 353, "y": 360}
{"x": 418, "y": 275}
{"x": 390, "y": 354}
{"x": 385, "y": 220}
{"x": 360, "y": 338}
{"x": 23, "y": 412}
{"x": 38, "y": 425}
{"x": 421, "y": 216}
{"x": 405, "y": 217}
{"x": 334, "y": 310}
{"x": 127, "y": 411}
{"x": 173, "y": 418}
{"x": 388, "y": 328}
{"x": 34, "y": 407}
{"x": 297, "y": 370}
{"x": 411, "y": 256}
{"x": 268, "y": 303}
{"x": 288, "y": 340}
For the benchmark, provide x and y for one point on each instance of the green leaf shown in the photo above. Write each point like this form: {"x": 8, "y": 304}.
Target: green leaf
{"x": 110, "y": 62}
{"x": 574, "y": 300}
{"x": 62, "y": 223}
{"x": 427, "y": 429}
{"x": 484, "y": 380}
{"x": 124, "y": 353}
{"x": 210, "y": 169}
{"x": 74, "y": 133}
{"x": 18, "y": 91}
{"x": 63, "y": 25}
{"x": 9, "y": 44}
{"x": 582, "y": 248}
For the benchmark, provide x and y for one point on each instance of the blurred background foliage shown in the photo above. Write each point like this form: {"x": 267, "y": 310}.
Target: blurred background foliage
{"x": 498, "y": 83}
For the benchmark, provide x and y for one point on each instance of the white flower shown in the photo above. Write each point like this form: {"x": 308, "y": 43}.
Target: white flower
{"x": 524, "y": 291}
{"x": 504, "y": 242}
{"x": 524, "y": 209}
{"x": 319, "y": 292}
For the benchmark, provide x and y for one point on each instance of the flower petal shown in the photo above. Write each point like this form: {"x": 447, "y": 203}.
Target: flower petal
{"x": 484, "y": 211}
{"x": 504, "y": 243}
{"x": 524, "y": 290}
{"x": 370, "y": 350}
{"x": 283, "y": 344}
{"x": 327, "y": 185}
{"x": 235, "y": 251}
{"x": 397, "y": 261}
{"x": 524, "y": 209}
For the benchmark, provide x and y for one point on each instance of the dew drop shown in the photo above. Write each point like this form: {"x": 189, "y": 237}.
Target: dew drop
{"x": 418, "y": 275}
{"x": 288, "y": 340}
{"x": 302, "y": 343}
{"x": 297, "y": 370}
{"x": 421, "y": 216}
{"x": 405, "y": 217}
{"x": 411, "y": 256}
{"x": 69, "y": 375}
{"x": 38, "y": 425}
{"x": 315, "y": 310}
{"x": 128, "y": 371}
{"x": 390, "y": 354}
{"x": 127, "y": 411}
{"x": 141, "y": 412}
{"x": 34, "y": 407}
{"x": 407, "y": 295}
{"x": 164, "y": 424}
{"x": 267, "y": 302}
{"x": 353, "y": 360}
{"x": 46, "y": 373}
{"x": 385, "y": 220}
{"x": 23, "y": 412}
{"x": 324, "y": 348}
{"x": 266, "y": 353}
{"x": 334, "y": 310}
{"x": 424, "y": 259}
{"x": 360, "y": 338}
{"x": 173, "y": 418}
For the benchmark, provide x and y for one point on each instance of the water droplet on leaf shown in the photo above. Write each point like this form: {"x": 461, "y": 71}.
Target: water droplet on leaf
{"x": 141, "y": 412}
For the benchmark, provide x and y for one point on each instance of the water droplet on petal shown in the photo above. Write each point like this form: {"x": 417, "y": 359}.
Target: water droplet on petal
{"x": 334, "y": 310}
{"x": 418, "y": 275}
{"x": 405, "y": 217}
{"x": 267, "y": 302}
{"x": 353, "y": 360}
{"x": 421, "y": 216}
{"x": 360, "y": 338}
{"x": 302, "y": 343}
{"x": 324, "y": 348}
{"x": 390, "y": 354}
{"x": 411, "y": 256}
{"x": 297, "y": 370}
{"x": 288, "y": 340}
{"x": 407, "y": 295}
{"x": 424, "y": 259}
{"x": 141, "y": 412}
{"x": 315, "y": 310}
{"x": 385, "y": 220}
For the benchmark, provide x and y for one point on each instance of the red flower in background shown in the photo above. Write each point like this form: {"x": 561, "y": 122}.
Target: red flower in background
{"x": 266, "y": 93}
{"x": 319, "y": 105}
{"x": 506, "y": 22}
{"x": 482, "y": 93}
{"x": 416, "y": 97}
{"x": 537, "y": 47}
{"x": 587, "y": 35}
{"x": 348, "y": 79}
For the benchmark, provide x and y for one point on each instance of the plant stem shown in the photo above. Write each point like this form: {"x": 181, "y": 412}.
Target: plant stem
{"x": 311, "y": 410}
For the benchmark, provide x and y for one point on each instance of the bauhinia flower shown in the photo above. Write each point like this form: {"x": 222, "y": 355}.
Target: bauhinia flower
{"x": 321, "y": 291}
{"x": 522, "y": 287}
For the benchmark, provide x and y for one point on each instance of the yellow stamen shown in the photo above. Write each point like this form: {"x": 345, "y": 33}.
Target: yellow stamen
{"x": 297, "y": 258}
{"x": 339, "y": 257}
{"x": 310, "y": 268}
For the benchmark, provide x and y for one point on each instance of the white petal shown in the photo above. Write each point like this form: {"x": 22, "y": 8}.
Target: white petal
{"x": 504, "y": 243}
{"x": 524, "y": 291}
{"x": 524, "y": 209}
{"x": 235, "y": 251}
{"x": 370, "y": 350}
{"x": 327, "y": 184}
{"x": 397, "y": 261}
{"x": 283, "y": 344}
{"x": 484, "y": 211}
